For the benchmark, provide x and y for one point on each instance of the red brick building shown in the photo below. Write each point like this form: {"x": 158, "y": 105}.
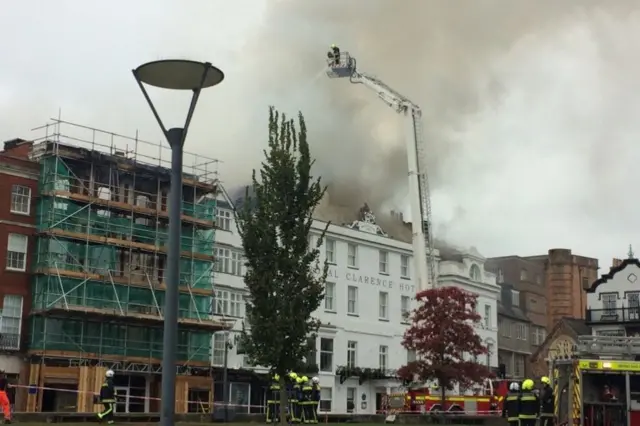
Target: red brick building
{"x": 18, "y": 189}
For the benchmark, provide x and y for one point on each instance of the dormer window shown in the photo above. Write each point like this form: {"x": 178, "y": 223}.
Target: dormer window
{"x": 474, "y": 273}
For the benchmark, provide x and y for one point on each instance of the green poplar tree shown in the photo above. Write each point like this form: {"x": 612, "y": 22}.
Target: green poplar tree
{"x": 284, "y": 276}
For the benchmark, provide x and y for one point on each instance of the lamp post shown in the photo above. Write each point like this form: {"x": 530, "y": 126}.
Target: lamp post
{"x": 174, "y": 74}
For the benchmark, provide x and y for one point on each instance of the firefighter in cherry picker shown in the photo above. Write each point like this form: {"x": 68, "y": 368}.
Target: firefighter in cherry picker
{"x": 529, "y": 404}
{"x": 334, "y": 53}
{"x": 511, "y": 406}
{"x": 547, "y": 401}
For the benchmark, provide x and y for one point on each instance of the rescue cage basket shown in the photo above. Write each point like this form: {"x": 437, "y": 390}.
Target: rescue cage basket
{"x": 343, "y": 66}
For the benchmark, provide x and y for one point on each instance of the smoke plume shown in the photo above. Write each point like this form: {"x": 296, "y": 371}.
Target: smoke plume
{"x": 460, "y": 64}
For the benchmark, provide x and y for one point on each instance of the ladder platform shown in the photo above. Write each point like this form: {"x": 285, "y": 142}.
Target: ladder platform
{"x": 343, "y": 67}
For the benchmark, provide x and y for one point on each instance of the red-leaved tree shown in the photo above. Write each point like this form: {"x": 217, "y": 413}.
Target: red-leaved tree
{"x": 444, "y": 339}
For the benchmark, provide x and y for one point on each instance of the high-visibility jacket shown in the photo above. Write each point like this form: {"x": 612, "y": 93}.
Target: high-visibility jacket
{"x": 529, "y": 405}
{"x": 107, "y": 392}
{"x": 511, "y": 406}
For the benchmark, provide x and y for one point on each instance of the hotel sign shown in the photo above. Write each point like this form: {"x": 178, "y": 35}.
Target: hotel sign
{"x": 381, "y": 282}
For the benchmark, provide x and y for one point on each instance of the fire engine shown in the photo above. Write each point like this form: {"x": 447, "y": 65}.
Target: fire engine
{"x": 486, "y": 400}
{"x": 600, "y": 384}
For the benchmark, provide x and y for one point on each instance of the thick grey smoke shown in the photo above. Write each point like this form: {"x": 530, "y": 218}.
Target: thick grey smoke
{"x": 458, "y": 61}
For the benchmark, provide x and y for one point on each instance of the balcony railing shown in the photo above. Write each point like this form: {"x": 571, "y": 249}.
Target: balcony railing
{"x": 612, "y": 316}
{"x": 609, "y": 345}
{"x": 9, "y": 341}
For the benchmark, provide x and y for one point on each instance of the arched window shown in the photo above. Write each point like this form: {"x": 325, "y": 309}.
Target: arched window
{"x": 474, "y": 273}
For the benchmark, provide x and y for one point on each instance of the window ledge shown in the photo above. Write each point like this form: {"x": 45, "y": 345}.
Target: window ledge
{"x": 353, "y": 267}
{"x": 352, "y": 315}
{"x": 406, "y": 278}
{"x": 15, "y": 269}
{"x": 384, "y": 273}
{"x": 20, "y": 213}
{"x": 330, "y": 312}
{"x": 383, "y": 319}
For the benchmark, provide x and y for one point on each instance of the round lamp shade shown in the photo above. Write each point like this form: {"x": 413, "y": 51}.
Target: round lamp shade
{"x": 179, "y": 74}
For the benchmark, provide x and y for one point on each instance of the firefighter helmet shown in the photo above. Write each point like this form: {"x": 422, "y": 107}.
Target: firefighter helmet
{"x": 293, "y": 376}
{"x": 515, "y": 387}
{"x": 315, "y": 380}
{"x": 109, "y": 373}
{"x": 527, "y": 384}
{"x": 545, "y": 380}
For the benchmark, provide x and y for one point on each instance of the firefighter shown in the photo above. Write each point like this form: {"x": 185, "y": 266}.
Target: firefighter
{"x": 529, "y": 405}
{"x": 511, "y": 406}
{"x": 107, "y": 398}
{"x": 4, "y": 398}
{"x": 293, "y": 397}
{"x": 547, "y": 399}
{"x": 315, "y": 397}
{"x": 335, "y": 51}
{"x": 306, "y": 401}
{"x": 273, "y": 403}
{"x": 297, "y": 387}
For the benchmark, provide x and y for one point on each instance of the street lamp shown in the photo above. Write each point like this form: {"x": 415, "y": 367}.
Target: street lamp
{"x": 174, "y": 74}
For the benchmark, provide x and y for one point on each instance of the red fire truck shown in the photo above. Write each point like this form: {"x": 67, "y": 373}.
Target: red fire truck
{"x": 485, "y": 400}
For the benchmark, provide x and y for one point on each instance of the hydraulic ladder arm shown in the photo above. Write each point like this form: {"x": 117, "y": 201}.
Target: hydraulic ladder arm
{"x": 342, "y": 65}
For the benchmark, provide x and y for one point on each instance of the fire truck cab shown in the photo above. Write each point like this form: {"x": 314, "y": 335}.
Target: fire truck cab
{"x": 601, "y": 386}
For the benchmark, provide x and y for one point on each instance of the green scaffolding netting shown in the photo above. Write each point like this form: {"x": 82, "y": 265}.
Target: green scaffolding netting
{"x": 54, "y": 291}
{"x": 56, "y": 176}
{"x": 57, "y": 254}
{"x": 66, "y": 215}
{"x": 91, "y": 337}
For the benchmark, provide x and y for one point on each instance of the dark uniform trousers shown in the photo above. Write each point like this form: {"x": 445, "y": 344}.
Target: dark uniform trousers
{"x": 529, "y": 409}
{"x": 307, "y": 405}
{"x": 273, "y": 404}
{"x": 547, "y": 415}
{"x": 108, "y": 400}
{"x": 511, "y": 408}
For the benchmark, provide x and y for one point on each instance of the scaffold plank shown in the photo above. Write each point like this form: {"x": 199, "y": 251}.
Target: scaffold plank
{"x": 129, "y": 317}
{"x": 123, "y": 281}
{"x": 127, "y": 207}
{"x": 123, "y": 243}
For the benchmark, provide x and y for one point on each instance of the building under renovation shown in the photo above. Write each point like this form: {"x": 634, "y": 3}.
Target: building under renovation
{"x": 99, "y": 266}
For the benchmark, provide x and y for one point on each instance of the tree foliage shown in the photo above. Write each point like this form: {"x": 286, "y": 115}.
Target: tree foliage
{"x": 442, "y": 335}
{"x": 284, "y": 276}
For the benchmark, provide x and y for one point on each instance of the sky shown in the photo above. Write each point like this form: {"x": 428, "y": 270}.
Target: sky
{"x": 530, "y": 107}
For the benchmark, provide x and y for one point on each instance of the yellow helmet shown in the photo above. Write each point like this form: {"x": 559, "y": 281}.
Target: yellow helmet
{"x": 293, "y": 376}
{"x": 276, "y": 377}
{"x": 305, "y": 379}
{"x": 545, "y": 380}
{"x": 527, "y": 384}
{"x": 333, "y": 46}
{"x": 299, "y": 380}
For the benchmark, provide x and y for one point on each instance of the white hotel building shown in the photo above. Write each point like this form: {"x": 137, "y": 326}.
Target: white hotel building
{"x": 368, "y": 295}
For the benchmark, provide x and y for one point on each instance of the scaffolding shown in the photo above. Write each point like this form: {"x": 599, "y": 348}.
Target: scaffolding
{"x": 98, "y": 290}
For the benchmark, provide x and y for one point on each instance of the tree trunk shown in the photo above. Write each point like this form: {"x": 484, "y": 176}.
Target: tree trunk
{"x": 284, "y": 400}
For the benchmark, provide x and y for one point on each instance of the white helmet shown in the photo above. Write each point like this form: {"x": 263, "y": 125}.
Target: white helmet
{"x": 109, "y": 373}
{"x": 315, "y": 380}
{"x": 515, "y": 387}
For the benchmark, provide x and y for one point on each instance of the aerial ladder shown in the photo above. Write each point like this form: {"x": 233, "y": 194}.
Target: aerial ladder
{"x": 342, "y": 65}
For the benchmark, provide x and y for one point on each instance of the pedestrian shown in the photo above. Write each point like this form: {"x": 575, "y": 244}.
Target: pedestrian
{"x": 4, "y": 398}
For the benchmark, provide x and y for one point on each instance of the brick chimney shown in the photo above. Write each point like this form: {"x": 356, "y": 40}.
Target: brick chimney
{"x": 17, "y": 148}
